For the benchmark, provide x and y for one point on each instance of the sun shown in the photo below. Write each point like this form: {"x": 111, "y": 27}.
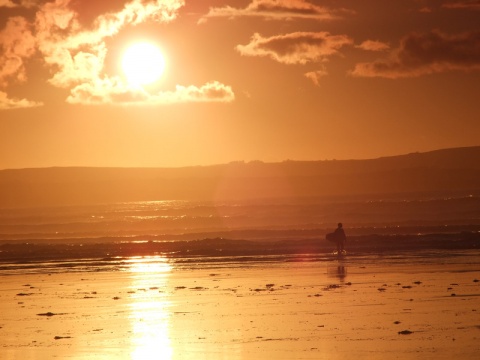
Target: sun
{"x": 143, "y": 63}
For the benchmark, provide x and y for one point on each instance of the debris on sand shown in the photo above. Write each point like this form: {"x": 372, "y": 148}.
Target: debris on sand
{"x": 405, "y": 332}
{"x": 62, "y": 337}
{"x": 50, "y": 314}
{"x": 331, "y": 287}
{"x": 198, "y": 288}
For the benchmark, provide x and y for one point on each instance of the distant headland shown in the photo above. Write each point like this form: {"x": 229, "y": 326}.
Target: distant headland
{"x": 446, "y": 170}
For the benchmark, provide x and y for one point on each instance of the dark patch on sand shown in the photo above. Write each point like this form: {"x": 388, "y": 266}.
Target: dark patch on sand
{"x": 49, "y": 314}
{"x": 62, "y": 337}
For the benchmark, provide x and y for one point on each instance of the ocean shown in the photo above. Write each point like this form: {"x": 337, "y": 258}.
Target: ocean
{"x": 212, "y": 231}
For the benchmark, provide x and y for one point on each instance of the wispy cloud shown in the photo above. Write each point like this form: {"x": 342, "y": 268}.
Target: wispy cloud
{"x": 466, "y": 4}
{"x": 276, "y": 9}
{"x": 7, "y": 3}
{"x": 373, "y": 45}
{"x": 7, "y": 103}
{"x": 315, "y": 76}
{"x": 427, "y": 53}
{"x": 76, "y": 56}
{"x": 18, "y": 3}
{"x": 295, "y": 48}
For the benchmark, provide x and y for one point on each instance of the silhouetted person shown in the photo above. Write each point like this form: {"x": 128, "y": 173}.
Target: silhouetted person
{"x": 340, "y": 239}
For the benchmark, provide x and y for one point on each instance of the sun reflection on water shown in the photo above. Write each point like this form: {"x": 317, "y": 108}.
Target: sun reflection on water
{"x": 150, "y": 308}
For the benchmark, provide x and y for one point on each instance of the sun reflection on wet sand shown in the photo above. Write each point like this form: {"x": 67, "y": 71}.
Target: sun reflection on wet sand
{"x": 150, "y": 308}
{"x": 362, "y": 308}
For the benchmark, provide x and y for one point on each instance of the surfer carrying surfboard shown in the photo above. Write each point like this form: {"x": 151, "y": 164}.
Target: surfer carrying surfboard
{"x": 339, "y": 237}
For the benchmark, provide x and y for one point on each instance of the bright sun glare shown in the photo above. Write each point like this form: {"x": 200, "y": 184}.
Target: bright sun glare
{"x": 143, "y": 63}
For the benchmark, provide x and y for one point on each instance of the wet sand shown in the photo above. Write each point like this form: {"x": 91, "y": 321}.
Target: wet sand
{"x": 350, "y": 308}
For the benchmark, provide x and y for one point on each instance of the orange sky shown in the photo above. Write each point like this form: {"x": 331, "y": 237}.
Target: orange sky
{"x": 250, "y": 80}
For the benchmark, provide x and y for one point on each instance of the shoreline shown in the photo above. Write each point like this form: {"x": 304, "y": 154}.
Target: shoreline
{"x": 45, "y": 249}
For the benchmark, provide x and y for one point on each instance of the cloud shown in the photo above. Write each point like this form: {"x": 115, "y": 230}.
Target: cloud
{"x": 425, "y": 10}
{"x": 16, "y": 44}
{"x": 7, "y": 3}
{"x": 7, "y": 103}
{"x": 76, "y": 56}
{"x": 114, "y": 91}
{"x": 295, "y": 48}
{"x": 427, "y": 53}
{"x": 275, "y": 9}
{"x": 18, "y": 3}
{"x": 315, "y": 76}
{"x": 373, "y": 45}
{"x": 467, "y": 4}
{"x": 79, "y": 55}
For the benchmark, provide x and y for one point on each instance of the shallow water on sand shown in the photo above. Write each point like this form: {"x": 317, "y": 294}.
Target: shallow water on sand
{"x": 401, "y": 306}
{"x": 118, "y": 263}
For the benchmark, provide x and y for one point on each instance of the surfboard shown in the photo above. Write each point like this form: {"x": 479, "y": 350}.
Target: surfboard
{"x": 330, "y": 236}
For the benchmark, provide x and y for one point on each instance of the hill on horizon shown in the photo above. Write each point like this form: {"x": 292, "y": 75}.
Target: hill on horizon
{"x": 452, "y": 170}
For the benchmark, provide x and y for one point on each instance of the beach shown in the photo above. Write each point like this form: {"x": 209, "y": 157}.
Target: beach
{"x": 239, "y": 180}
{"x": 406, "y": 306}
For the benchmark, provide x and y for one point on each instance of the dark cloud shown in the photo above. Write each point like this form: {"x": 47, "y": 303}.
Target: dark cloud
{"x": 427, "y": 53}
